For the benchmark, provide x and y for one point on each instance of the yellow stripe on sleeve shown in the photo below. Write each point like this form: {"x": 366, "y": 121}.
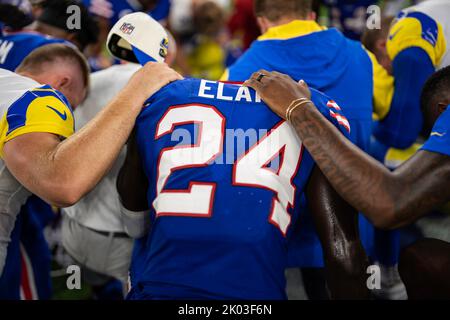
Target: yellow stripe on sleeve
{"x": 417, "y": 30}
{"x": 36, "y": 114}
{"x": 383, "y": 89}
{"x": 395, "y": 157}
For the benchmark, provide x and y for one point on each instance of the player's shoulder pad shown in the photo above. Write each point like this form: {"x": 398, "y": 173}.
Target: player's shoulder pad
{"x": 416, "y": 29}
{"x": 332, "y": 111}
{"x": 173, "y": 90}
{"x": 41, "y": 109}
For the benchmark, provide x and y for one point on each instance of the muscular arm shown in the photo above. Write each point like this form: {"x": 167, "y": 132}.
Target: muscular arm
{"x": 132, "y": 186}
{"x": 132, "y": 182}
{"x": 388, "y": 199}
{"x": 337, "y": 226}
{"x": 62, "y": 172}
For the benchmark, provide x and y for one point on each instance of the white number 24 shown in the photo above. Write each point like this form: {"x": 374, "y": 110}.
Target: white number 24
{"x": 249, "y": 170}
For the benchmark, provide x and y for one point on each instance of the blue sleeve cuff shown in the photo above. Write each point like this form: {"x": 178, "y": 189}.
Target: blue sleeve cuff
{"x": 439, "y": 140}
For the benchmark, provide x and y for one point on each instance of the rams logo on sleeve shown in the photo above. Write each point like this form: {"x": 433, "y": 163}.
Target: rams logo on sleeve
{"x": 38, "y": 110}
{"x": 416, "y": 29}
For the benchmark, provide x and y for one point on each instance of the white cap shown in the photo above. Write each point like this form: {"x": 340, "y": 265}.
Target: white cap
{"x": 137, "y": 37}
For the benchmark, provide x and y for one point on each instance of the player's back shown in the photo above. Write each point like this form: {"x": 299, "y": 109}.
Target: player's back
{"x": 333, "y": 64}
{"x": 224, "y": 174}
{"x": 14, "y": 47}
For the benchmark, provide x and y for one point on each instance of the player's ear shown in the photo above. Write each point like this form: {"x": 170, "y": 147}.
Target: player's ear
{"x": 263, "y": 24}
{"x": 63, "y": 82}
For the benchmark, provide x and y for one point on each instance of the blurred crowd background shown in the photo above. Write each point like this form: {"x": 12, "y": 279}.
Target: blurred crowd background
{"x": 208, "y": 35}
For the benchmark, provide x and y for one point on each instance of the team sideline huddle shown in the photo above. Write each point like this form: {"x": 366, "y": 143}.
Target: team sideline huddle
{"x": 313, "y": 153}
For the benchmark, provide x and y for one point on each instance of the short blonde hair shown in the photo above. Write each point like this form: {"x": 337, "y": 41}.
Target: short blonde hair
{"x": 51, "y": 53}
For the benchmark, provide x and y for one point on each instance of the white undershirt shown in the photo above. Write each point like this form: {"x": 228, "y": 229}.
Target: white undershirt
{"x": 100, "y": 209}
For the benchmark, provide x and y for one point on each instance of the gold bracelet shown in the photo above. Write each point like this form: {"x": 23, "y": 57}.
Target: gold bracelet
{"x": 288, "y": 116}
{"x": 293, "y": 103}
{"x": 297, "y": 106}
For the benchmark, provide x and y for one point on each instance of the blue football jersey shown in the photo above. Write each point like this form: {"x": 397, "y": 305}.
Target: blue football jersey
{"x": 335, "y": 65}
{"x": 225, "y": 174}
{"x": 439, "y": 140}
{"x": 14, "y": 47}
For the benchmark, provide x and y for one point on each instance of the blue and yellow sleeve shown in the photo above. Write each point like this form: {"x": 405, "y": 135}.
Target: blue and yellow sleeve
{"x": 416, "y": 29}
{"x": 403, "y": 122}
{"x": 383, "y": 88}
{"x": 38, "y": 110}
{"x": 439, "y": 140}
{"x": 416, "y": 45}
{"x": 395, "y": 157}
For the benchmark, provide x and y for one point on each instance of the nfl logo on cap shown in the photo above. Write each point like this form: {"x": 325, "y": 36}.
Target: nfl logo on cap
{"x": 137, "y": 37}
{"x": 127, "y": 28}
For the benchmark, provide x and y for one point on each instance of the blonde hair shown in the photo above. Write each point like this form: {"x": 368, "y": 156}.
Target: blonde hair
{"x": 51, "y": 53}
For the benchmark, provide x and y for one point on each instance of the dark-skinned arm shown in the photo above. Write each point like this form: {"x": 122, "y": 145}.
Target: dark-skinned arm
{"x": 132, "y": 182}
{"x": 388, "y": 199}
{"x": 132, "y": 186}
{"x": 337, "y": 226}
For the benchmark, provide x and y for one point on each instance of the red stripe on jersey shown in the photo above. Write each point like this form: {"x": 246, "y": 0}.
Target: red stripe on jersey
{"x": 334, "y": 105}
{"x": 24, "y": 281}
{"x": 28, "y": 287}
{"x": 341, "y": 120}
